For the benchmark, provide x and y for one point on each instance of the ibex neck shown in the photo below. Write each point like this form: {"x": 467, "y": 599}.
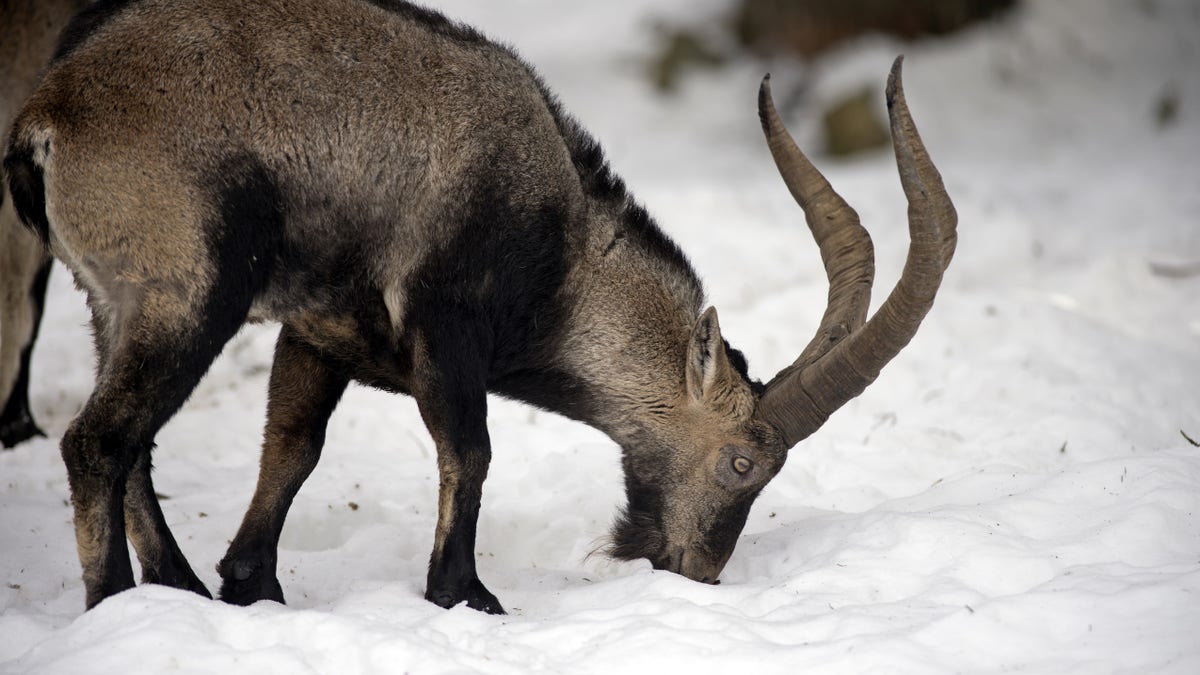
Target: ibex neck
{"x": 635, "y": 301}
{"x": 618, "y": 344}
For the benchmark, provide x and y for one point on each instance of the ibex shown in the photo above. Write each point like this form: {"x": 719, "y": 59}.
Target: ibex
{"x": 419, "y": 213}
{"x": 28, "y": 33}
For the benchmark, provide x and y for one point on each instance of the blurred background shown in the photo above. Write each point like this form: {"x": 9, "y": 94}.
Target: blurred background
{"x": 803, "y": 31}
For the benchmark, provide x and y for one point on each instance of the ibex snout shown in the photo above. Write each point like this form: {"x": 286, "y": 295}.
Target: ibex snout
{"x": 693, "y": 564}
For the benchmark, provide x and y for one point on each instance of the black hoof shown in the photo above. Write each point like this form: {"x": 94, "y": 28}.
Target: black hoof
{"x": 184, "y": 580}
{"x": 474, "y": 593}
{"x": 18, "y": 429}
{"x": 245, "y": 582}
{"x": 106, "y": 589}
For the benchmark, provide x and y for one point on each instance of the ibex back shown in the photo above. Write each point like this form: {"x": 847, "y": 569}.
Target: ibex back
{"x": 417, "y": 211}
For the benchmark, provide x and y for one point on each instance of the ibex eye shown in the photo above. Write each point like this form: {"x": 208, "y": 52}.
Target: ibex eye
{"x": 742, "y": 465}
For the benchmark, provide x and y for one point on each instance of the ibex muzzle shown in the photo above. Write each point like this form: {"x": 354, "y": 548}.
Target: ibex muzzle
{"x": 418, "y": 212}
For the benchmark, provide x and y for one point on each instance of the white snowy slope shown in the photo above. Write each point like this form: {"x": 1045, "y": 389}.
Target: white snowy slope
{"x": 1013, "y": 493}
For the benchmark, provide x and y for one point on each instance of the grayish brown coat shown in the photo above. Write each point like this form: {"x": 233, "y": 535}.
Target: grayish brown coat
{"x": 415, "y": 208}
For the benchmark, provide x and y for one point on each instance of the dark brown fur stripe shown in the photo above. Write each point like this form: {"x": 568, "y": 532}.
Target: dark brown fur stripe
{"x": 28, "y": 189}
{"x": 87, "y": 23}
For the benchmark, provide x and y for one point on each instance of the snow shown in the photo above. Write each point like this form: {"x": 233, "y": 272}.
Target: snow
{"x": 1013, "y": 493}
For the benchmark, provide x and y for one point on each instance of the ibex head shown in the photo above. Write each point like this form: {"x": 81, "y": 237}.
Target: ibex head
{"x": 691, "y": 481}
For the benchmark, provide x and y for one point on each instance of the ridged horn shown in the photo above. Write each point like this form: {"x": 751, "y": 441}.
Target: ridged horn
{"x": 847, "y": 354}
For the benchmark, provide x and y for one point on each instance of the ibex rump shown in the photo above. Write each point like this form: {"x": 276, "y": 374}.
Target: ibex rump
{"x": 418, "y": 212}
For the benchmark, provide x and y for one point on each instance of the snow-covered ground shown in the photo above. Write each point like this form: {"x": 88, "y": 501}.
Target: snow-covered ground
{"x": 1014, "y": 493}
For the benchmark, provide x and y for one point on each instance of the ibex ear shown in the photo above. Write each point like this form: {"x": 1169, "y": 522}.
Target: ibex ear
{"x": 707, "y": 362}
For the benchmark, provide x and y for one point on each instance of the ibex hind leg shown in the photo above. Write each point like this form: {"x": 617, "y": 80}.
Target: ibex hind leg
{"x": 304, "y": 390}
{"x": 158, "y": 554}
{"x": 149, "y": 370}
{"x": 156, "y": 341}
{"x": 161, "y": 560}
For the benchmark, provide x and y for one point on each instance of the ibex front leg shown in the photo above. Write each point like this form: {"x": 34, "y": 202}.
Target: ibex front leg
{"x": 452, "y": 397}
{"x": 303, "y": 393}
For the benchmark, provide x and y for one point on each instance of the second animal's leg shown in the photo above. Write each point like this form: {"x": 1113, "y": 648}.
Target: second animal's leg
{"x": 303, "y": 393}
{"x": 24, "y": 271}
{"x": 452, "y": 397}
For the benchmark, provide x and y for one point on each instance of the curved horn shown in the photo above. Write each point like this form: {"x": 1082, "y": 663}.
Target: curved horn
{"x": 846, "y": 355}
